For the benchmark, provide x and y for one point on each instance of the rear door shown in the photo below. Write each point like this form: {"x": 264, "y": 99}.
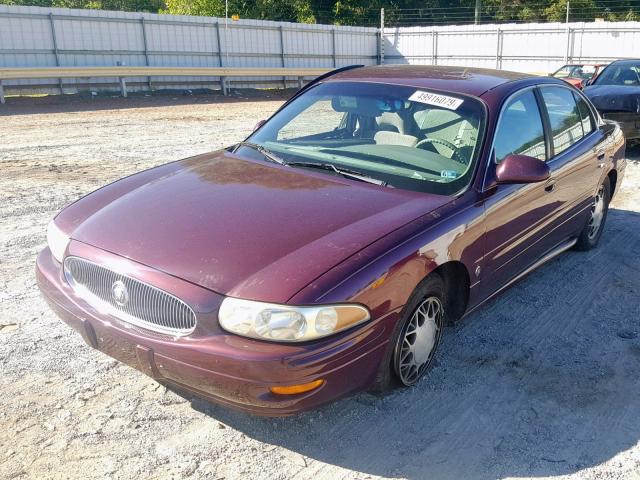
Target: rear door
{"x": 577, "y": 150}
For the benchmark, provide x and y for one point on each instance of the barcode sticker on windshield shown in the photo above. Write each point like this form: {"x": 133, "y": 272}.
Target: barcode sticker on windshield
{"x": 436, "y": 99}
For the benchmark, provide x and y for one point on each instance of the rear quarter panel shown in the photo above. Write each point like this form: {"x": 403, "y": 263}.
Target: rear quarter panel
{"x": 616, "y": 155}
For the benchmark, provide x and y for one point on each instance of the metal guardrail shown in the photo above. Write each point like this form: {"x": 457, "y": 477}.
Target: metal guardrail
{"x": 123, "y": 72}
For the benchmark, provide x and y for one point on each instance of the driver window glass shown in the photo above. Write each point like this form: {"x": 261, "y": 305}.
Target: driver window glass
{"x": 319, "y": 118}
{"x": 520, "y": 131}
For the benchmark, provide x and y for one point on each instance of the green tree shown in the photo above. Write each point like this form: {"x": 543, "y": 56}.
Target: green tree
{"x": 125, "y": 5}
{"x": 367, "y": 12}
{"x": 514, "y": 10}
{"x": 283, "y": 10}
{"x": 579, "y": 10}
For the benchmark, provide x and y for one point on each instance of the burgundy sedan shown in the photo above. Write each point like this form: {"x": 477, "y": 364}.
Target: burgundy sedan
{"x": 327, "y": 252}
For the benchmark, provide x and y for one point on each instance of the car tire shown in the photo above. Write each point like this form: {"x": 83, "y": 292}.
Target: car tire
{"x": 591, "y": 233}
{"x": 418, "y": 333}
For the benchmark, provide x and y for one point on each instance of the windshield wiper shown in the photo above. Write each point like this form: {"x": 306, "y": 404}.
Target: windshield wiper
{"x": 268, "y": 154}
{"x": 345, "y": 172}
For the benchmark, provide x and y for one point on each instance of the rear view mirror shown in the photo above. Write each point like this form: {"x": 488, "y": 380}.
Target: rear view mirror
{"x": 259, "y": 124}
{"x": 521, "y": 169}
{"x": 367, "y": 106}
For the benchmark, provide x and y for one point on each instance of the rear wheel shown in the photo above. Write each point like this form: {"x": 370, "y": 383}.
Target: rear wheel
{"x": 592, "y": 231}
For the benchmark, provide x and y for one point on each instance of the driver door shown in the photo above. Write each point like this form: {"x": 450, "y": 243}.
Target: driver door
{"x": 516, "y": 216}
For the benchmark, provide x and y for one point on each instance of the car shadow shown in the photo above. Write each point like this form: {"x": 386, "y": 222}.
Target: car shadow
{"x": 633, "y": 151}
{"x": 542, "y": 381}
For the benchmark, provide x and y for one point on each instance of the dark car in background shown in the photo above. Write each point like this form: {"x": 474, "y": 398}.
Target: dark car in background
{"x": 579, "y": 74}
{"x": 616, "y": 95}
{"x": 327, "y": 252}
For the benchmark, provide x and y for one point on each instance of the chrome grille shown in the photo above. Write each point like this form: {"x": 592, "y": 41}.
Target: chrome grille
{"x": 129, "y": 300}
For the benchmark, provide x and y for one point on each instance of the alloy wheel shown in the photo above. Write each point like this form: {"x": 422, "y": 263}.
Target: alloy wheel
{"x": 597, "y": 214}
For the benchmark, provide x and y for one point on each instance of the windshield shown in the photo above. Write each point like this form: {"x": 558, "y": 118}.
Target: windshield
{"x": 584, "y": 72}
{"x": 620, "y": 74}
{"x": 408, "y": 138}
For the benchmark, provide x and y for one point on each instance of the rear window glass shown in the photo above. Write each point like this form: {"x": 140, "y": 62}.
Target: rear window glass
{"x": 564, "y": 117}
{"x": 588, "y": 124}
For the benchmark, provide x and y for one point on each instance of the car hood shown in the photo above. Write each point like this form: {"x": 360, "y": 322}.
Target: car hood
{"x": 241, "y": 227}
{"x": 614, "y": 98}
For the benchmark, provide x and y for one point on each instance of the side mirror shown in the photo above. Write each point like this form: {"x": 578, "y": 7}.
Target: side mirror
{"x": 259, "y": 124}
{"x": 521, "y": 169}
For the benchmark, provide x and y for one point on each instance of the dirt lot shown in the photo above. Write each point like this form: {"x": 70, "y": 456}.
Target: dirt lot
{"x": 542, "y": 382}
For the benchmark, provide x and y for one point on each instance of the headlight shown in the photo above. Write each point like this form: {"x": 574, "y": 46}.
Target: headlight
{"x": 285, "y": 323}
{"x": 57, "y": 240}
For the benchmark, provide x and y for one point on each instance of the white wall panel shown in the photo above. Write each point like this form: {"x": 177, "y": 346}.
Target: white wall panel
{"x": 94, "y": 37}
{"x": 520, "y": 47}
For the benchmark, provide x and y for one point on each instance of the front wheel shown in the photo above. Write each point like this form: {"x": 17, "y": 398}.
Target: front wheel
{"x": 418, "y": 340}
{"x": 592, "y": 231}
{"x": 415, "y": 338}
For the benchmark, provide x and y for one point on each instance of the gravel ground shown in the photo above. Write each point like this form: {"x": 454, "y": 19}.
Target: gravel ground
{"x": 541, "y": 382}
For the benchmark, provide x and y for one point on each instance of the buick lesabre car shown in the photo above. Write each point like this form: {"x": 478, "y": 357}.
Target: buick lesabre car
{"x": 327, "y": 252}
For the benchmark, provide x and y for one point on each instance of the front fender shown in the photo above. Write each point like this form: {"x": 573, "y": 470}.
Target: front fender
{"x": 383, "y": 275}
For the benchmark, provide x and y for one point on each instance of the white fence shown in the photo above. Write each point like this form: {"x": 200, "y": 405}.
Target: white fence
{"x": 535, "y": 47}
{"x": 46, "y": 37}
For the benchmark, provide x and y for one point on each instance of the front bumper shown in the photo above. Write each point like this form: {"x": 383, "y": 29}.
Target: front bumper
{"x": 221, "y": 367}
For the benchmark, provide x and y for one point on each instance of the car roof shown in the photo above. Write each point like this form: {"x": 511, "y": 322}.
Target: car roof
{"x": 583, "y": 64}
{"x": 471, "y": 81}
{"x": 632, "y": 61}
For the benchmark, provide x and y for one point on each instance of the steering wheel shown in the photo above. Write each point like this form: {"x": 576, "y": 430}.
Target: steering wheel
{"x": 456, "y": 152}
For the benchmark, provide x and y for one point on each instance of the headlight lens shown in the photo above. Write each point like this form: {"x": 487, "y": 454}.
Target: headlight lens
{"x": 57, "y": 240}
{"x": 285, "y": 323}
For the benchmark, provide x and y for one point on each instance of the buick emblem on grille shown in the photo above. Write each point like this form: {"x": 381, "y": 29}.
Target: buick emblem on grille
{"x": 120, "y": 293}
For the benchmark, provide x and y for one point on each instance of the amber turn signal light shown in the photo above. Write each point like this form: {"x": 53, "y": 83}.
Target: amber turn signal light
{"x": 294, "y": 389}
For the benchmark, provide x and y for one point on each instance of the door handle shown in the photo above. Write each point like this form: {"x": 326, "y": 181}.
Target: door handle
{"x": 600, "y": 156}
{"x": 550, "y": 186}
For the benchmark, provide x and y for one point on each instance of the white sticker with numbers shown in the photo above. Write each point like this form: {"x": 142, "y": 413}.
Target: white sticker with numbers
{"x": 436, "y": 99}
